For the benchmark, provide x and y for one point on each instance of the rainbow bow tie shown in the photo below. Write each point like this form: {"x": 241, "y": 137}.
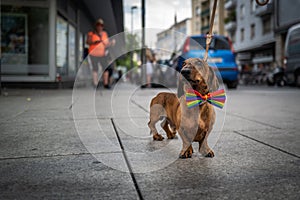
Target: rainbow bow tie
{"x": 194, "y": 98}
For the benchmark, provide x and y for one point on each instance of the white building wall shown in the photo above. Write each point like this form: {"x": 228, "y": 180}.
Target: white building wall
{"x": 245, "y": 23}
{"x": 171, "y": 39}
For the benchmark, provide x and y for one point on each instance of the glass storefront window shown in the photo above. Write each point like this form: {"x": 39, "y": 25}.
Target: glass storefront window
{"x": 61, "y": 45}
{"x": 24, "y": 40}
{"x": 72, "y": 50}
{"x": 80, "y": 48}
{"x": 65, "y": 47}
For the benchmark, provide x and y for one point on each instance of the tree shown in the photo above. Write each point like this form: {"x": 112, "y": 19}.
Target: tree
{"x": 132, "y": 42}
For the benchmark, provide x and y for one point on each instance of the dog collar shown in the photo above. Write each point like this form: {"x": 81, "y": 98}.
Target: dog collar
{"x": 194, "y": 98}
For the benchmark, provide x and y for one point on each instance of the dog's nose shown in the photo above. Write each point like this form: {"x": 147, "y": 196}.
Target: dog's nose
{"x": 185, "y": 72}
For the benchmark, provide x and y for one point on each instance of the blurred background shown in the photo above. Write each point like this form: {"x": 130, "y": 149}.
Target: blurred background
{"x": 43, "y": 42}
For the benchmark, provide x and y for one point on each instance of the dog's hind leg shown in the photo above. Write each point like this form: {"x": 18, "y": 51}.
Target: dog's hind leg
{"x": 172, "y": 127}
{"x": 156, "y": 113}
{"x": 165, "y": 126}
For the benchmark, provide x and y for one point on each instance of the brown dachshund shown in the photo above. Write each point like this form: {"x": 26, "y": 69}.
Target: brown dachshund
{"x": 192, "y": 124}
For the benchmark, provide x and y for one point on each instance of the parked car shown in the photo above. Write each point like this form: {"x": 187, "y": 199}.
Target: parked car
{"x": 220, "y": 55}
{"x": 292, "y": 55}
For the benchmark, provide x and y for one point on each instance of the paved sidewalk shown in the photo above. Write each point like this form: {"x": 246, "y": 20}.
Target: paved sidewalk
{"x": 97, "y": 146}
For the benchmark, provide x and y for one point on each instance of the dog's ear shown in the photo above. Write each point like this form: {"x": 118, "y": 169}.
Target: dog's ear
{"x": 180, "y": 90}
{"x": 213, "y": 82}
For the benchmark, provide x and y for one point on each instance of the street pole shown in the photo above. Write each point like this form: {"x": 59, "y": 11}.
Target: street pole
{"x": 131, "y": 38}
{"x": 0, "y": 67}
{"x": 174, "y": 31}
{"x": 175, "y": 3}
{"x": 0, "y": 74}
{"x": 143, "y": 52}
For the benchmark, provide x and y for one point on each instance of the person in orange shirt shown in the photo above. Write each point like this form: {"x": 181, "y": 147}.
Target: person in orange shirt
{"x": 98, "y": 42}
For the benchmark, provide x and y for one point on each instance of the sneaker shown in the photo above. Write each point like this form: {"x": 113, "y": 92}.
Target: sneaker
{"x": 106, "y": 86}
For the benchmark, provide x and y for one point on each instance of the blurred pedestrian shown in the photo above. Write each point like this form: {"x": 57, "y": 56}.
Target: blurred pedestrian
{"x": 149, "y": 66}
{"x": 98, "y": 42}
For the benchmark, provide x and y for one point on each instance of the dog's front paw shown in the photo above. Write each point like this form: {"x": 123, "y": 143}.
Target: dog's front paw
{"x": 184, "y": 156}
{"x": 187, "y": 154}
{"x": 210, "y": 154}
{"x": 158, "y": 137}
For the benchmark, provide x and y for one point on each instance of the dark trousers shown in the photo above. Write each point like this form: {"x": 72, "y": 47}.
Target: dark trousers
{"x": 95, "y": 60}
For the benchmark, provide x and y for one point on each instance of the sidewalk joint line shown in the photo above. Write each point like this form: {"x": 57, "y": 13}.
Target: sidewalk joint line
{"x": 252, "y": 120}
{"x": 138, "y": 105}
{"x": 53, "y": 155}
{"x": 269, "y": 145}
{"x": 127, "y": 161}
{"x": 72, "y": 103}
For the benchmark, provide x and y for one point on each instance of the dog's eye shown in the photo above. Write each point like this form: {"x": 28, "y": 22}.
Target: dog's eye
{"x": 197, "y": 81}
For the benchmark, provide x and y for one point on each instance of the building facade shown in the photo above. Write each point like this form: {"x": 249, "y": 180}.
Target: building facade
{"x": 201, "y": 11}
{"x": 169, "y": 41}
{"x": 286, "y": 15}
{"x": 44, "y": 40}
{"x": 251, "y": 28}
{"x": 259, "y": 32}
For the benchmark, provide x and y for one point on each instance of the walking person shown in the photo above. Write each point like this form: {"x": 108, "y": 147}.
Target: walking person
{"x": 98, "y": 43}
{"x": 149, "y": 66}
